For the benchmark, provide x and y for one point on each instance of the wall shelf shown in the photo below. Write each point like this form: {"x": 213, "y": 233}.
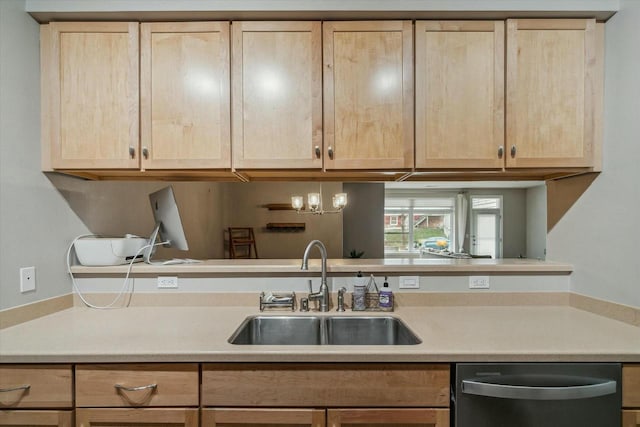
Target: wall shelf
{"x": 286, "y": 226}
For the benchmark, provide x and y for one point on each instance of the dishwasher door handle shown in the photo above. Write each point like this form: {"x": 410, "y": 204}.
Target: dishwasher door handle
{"x": 589, "y": 387}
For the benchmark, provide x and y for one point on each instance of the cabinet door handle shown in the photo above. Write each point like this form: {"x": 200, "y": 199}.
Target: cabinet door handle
{"x": 140, "y": 388}
{"x": 132, "y": 152}
{"x": 330, "y": 150}
{"x": 317, "y": 150}
{"x": 16, "y": 388}
{"x": 500, "y": 152}
{"x": 145, "y": 152}
{"x": 513, "y": 151}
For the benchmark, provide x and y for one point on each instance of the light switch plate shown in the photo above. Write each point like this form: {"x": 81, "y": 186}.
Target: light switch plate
{"x": 27, "y": 279}
{"x": 409, "y": 282}
{"x": 478, "y": 282}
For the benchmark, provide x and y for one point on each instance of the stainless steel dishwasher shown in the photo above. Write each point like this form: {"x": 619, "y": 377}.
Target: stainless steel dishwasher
{"x": 537, "y": 395}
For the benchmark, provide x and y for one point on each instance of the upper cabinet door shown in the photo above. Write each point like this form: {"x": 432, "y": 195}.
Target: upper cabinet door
{"x": 90, "y": 87}
{"x": 550, "y": 92}
{"x": 368, "y": 95}
{"x": 460, "y": 94}
{"x": 185, "y": 95}
{"x": 277, "y": 95}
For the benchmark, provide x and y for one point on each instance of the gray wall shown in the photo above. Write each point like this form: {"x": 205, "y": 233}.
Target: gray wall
{"x": 363, "y": 220}
{"x": 36, "y": 224}
{"x": 536, "y": 222}
{"x": 600, "y": 234}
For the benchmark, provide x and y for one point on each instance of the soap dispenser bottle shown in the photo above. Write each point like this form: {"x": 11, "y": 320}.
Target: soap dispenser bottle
{"x": 386, "y": 297}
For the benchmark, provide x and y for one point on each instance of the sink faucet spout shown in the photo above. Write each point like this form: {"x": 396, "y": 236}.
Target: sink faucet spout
{"x": 323, "y": 294}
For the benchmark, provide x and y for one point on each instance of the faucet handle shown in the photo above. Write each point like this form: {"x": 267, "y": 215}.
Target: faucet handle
{"x": 310, "y": 284}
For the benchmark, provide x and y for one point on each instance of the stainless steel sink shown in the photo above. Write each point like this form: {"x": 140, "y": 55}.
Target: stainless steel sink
{"x": 373, "y": 330}
{"x": 323, "y": 330}
{"x": 279, "y": 330}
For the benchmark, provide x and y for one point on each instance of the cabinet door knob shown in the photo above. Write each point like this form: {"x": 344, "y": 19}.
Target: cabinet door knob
{"x": 330, "y": 150}
{"x": 132, "y": 152}
{"x": 513, "y": 151}
{"x": 500, "y": 152}
{"x": 145, "y": 152}
{"x": 317, "y": 150}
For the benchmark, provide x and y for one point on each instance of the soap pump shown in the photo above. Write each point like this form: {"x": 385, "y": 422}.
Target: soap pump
{"x": 386, "y": 297}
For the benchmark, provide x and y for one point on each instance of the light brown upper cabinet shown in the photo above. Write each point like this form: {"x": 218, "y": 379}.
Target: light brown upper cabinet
{"x": 185, "y": 117}
{"x": 368, "y": 95}
{"x": 90, "y": 94}
{"x": 460, "y": 94}
{"x": 551, "y": 91}
{"x": 277, "y": 95}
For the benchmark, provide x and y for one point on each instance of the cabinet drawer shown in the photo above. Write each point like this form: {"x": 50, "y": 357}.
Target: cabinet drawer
{"x": 36, "y": 386}
{"x": 631, "y": 386}
{"x": 318, "y": 385}
{"x": 137, "y": 385}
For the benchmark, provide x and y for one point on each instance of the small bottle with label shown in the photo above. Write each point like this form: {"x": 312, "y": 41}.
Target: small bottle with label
{"x": 386, "y": 297}
{"x": 359, "y": 293}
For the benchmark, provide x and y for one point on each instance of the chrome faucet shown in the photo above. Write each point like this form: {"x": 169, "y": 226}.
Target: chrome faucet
{"x": 323, "y": 294}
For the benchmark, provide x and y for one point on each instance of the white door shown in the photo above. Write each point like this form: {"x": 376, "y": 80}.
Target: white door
{"x": 485, "y": 233}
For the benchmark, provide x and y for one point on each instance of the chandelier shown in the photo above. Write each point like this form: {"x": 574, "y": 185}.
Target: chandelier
{"x": 314, "y": 202}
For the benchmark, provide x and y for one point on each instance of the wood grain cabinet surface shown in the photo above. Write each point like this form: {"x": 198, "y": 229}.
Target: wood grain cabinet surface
{"x": 368, "y": 95}
{"x": 36, "y": 386}
{"x": 137, "y": 385}
{"x": 184, "y": 92}
{"x": 551, "y": 92}
{"x": 137, "y": 417}
{"x": 36, "y": 418}
{"x": 459, "y": 94}
{"x": 325, "y": 385}
{"x": 248, "y": 417}
{"x": 631, "y": 418}
{"x": 90, "y": 94}
{"x": 631, "y": 395}
{"x": 277, "y": 95}
{"x": 388, "y": 417}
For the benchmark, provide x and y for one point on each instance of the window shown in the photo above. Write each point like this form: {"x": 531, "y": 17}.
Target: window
{"x": 414, "y": 223}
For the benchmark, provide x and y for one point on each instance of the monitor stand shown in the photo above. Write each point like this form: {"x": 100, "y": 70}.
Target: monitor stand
{"x": 152, "y": 244}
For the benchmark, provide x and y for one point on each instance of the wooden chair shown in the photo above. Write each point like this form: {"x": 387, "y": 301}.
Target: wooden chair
{"x": 241, "y": 242}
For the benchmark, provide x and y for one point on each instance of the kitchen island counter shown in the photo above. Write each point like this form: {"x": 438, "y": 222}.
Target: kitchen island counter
{"x": 200, "y": 334}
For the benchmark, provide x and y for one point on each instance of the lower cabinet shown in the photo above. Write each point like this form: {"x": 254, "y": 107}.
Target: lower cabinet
{"x": 223, "y": 417}
{"x": 631, "y": 395}
{"x": 144, "y": 417}
{"x": 36, "y": 418}
{"x": 388, "y": 417}
{"x": 631, "y": 418}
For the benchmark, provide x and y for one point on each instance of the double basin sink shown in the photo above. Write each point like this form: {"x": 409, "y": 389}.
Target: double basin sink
{"x": 323, "y": 330}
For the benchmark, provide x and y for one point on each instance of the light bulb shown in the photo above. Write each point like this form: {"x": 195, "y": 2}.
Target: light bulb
{"x": 340, "y": 200}
{"x": 313, "y": 199}
{"x": 297, "y": 202}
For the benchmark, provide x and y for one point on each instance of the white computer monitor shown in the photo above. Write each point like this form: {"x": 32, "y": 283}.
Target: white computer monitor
{"x": 168, "y": 226}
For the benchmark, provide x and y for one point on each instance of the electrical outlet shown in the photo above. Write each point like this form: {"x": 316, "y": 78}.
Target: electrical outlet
{"x": 27, "y": 279}
{"x": 409, "y": 282}
{"x": 167, "y": 282}
{"x": 478, "y": 282}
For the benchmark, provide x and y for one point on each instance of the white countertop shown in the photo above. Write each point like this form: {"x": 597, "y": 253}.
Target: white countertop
{"x": 199, "y": 334}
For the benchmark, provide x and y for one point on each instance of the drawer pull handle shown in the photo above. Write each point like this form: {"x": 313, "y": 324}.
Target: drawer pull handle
{"x": 140, "y": 388}
{"x": 21, "y": 387}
